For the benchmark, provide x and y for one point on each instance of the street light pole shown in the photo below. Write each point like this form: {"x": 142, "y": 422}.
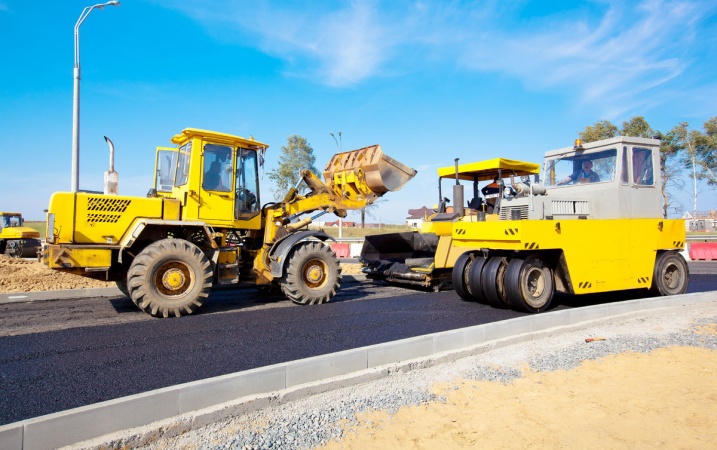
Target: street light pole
{"x": 76, "y": 96}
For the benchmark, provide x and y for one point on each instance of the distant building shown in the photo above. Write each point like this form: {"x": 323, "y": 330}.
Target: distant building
{"x": 701, "y": 221}
{"x": 417, "y": 216}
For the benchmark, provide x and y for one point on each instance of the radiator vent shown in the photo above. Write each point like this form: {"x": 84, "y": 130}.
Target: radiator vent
{"x": 571, "y": 207}
{"x": 510, "y": 213}
{"x": 105, "y": 204}
{"x": 103, "y": 218}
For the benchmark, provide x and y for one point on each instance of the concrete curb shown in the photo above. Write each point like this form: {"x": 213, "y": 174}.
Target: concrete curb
{"x": 203, "y": 402}
{"x": 19, "y": 297}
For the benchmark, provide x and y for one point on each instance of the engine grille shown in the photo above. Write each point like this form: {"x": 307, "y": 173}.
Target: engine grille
{"x": 572, "y": 207}
{"x": 506, "y": 213}
{"x": 104, "y": 204}
{"x": 103, "y": 218}
{"x": 98, "y": 207}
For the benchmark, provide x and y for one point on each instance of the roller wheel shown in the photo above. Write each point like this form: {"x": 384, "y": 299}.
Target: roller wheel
{"x": 312, "y": 274}
{"x": 492, "y": 281}
{"x": 671, "y": 275}
{"x": 171, "y": 277}
{"x": 473, "y": 277}
{"x": 459, "y": 276}
{"x": 2, "y": 246}
{"x": 13, "y": 249}
{"x": 529, "y": 284}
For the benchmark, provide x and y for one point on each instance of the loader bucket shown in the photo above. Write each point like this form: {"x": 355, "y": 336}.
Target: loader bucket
{"x": 399, "y": 246}
{"x": 368, "y": 169}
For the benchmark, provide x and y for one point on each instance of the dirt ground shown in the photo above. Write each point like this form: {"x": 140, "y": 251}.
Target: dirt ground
{"x": 664, "y": 399}
{"x": 23, "y": 275}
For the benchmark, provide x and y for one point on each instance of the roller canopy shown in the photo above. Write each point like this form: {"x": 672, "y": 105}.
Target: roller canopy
{"x": 488, "y": 170}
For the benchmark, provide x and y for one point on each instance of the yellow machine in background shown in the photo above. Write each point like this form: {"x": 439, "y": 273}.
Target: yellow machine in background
{"x": 595, "y": 226}
{"x": 17, "y": 240}
{"x": 203, "y": 224}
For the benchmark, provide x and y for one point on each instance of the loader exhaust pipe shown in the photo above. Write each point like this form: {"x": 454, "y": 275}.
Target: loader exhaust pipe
{"x": 111, "y": 177}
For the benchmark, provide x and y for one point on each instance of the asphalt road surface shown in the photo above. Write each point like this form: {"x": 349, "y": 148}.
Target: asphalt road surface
{"x": 56, "y": 355}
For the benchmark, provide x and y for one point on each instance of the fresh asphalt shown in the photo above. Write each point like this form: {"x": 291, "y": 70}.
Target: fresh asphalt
{"x": 45, "y": 372}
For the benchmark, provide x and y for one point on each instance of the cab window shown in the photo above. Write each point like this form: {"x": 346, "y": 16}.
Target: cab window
{"x": 597, "y": 167}
{"x": 185, "y": 155}
{"x": 217, "y": 165}
{"x": 247, "y": 183}
{"x": 642, "y": 170}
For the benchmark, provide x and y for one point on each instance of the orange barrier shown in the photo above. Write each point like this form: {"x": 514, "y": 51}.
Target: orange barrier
{"x": 706, "y": 251}
{"x": 341, "y": 250}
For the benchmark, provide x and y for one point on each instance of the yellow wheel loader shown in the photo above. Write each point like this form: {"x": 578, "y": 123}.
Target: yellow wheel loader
{"x": 17, "y": 240}
{"x": 203, "y": 224}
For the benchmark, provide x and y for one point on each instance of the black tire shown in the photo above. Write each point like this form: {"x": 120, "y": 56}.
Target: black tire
{"x": 312, "y": 274}
{"x": 492, "y": 281}
{"x": 13, "y": 249}
{"x": 529, "y": 284}
{"x": 475, "y": 286}
{"x": 671, "y": 275}
{"x": 171, "y": 277}
{"x": 122, "y": 286}
{"x": 459, "y": 276}
{"x": 2, "y": 246}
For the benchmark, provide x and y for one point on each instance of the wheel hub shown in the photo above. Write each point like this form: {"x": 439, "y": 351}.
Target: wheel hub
{"x": 315, "y": 273}
{"x": 173, "y": 278}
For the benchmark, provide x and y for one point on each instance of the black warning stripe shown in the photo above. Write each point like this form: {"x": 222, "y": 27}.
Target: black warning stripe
{"x": 585, "y": 284}
{"x": 531, "y": 246}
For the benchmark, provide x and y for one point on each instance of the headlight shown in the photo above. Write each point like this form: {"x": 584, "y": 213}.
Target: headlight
{"x": 50, "y": 228}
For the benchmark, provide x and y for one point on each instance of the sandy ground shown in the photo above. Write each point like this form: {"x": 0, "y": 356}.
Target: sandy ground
{"x": 23, "y": 275}
{"x": 664, "y": 399}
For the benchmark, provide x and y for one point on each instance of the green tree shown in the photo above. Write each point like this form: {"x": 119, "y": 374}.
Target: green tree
{"x": 601, "y": 130}
{"x": 706, "y": 151}
{"x": 296, "y": 156}
{"x": 637, "y": 127}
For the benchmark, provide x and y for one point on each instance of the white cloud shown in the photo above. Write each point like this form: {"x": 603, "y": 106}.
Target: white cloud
{"x": 599, "y": 50}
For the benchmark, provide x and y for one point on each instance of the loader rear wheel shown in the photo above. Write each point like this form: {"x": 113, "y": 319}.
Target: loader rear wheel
{"x": 312, "y": 274}
{"x": 171, "y": 277}
{"x": 492, "y": 279}
{"x": 671, "y": 275}
{"x": 529, "y": 284}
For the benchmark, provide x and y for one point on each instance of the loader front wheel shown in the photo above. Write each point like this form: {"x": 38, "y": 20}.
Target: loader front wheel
{"x": 312, "y": 274}
{"x": 171, "y": 277}
{"x": 671, "y": 275}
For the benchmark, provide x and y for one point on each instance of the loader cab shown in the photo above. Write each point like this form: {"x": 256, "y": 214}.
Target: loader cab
{"x": 217, "y": 178}
{"x": 627, "y": 180}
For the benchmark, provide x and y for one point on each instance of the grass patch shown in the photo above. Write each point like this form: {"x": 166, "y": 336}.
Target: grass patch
{"x": 38, "y": 225}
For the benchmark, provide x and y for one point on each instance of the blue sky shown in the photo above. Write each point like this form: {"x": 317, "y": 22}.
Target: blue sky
{"x": 428, "y": 80}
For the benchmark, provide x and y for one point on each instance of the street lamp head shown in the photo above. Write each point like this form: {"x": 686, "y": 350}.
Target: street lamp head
{"x": 111, "y": 3}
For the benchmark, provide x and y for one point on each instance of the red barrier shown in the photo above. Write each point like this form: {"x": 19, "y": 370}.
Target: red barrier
{"x": 341, "y": 250}
{"x": 703, "y": 251}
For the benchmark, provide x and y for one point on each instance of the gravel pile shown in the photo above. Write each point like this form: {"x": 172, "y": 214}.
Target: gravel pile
{"x": 315, "y": 420}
